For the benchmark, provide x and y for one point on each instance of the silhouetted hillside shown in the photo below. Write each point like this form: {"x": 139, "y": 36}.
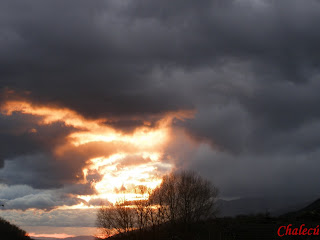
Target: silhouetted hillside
{"x": 309, "y": 213}
{"x": 240, "y": 228}
{"x": 276, "y": 206}
{"x": 243, "y": 227}
{"x": 9, "y": 231}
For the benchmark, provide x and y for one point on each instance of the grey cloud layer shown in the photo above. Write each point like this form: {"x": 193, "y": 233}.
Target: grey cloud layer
{"x": 24, "y": 197}
{"x": 55, "y": 218}
{"x": 249, "y": 68}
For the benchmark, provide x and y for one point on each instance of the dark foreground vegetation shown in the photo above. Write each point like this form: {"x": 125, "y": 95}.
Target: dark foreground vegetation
{"x": 9, "y": 231}
{"x": 255, "y": 227}
{"x": 184, "y": 208}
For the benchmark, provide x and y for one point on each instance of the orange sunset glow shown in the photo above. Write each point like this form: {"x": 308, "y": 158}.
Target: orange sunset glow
{"x": 54, "y": 235}
{"x": 139, "y": 160}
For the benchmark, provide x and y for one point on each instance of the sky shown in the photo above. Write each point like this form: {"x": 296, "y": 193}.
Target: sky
{"x": 99, "y": 97}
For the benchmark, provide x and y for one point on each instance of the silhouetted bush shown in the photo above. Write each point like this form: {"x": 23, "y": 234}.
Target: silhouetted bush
{"x": 9, "y": 231}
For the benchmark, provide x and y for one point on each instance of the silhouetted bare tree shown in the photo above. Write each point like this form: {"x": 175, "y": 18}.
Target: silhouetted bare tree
{"x": 117, "y": 218}
{"x": 142, "y": 209}
{"x": 181, "y": 198}
{"x": 186, "y": 197}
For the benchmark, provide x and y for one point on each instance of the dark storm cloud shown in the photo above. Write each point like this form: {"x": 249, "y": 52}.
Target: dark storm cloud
{"x": 255, "y": 175}
{"x": 39, "y": 171}
{"x": 29, "y": 150}
{"x": 265, "y": 117}
{"x": 30, "y": 146}
{"x": 24, "y": 140}
{"x": 43, "y": 171}
{"x": 249, "y": 68}
{"x": 97, "y": 58}
{"x": 21, "y": 134}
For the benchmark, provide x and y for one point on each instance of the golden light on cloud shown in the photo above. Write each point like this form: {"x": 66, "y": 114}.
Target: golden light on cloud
{"x": 138, "y": 160}
{"x": 123, "y": 171}
{"x": 122, "y": 181}
{"x": 50, "y": 114}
